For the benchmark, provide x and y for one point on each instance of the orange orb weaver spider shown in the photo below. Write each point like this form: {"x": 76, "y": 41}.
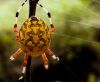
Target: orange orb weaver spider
{"x": 34, "y": 38}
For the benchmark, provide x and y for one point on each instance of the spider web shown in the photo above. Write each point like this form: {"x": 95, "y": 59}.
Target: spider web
{"x": 66, "y": 36}
{"x": 81, "y": 23}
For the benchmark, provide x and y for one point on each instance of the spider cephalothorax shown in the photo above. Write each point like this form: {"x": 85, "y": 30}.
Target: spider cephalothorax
{"x": 34, "y": 38}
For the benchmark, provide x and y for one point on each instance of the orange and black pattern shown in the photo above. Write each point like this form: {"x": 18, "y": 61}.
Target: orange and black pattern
{"x": 34, "y": 36}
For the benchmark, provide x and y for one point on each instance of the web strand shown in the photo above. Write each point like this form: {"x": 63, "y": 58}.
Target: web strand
{"x": 69, "y": 36}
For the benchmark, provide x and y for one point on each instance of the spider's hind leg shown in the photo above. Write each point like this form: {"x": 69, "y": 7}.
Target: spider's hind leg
{"x": 16, "y": 54}
{"x": 24, "y": 67}
{"x": 50, "y": 53}
{"x": 45, "y": 60}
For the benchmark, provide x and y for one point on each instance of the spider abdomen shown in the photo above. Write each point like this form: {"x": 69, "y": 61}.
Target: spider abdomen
{"x": 34, "y": 36}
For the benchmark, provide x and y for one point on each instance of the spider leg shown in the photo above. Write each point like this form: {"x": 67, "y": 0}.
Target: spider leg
{"x": 24, "y": 67}
{"x": 45, "y": 60}
{"x": 16, "y": 54}
{"x": 50, "y": 53}
{"x": 17, "y": 14}
{"x": 49, "y": 16}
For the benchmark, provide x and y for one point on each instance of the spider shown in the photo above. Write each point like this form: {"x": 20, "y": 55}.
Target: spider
{"x": 34, "y": 38}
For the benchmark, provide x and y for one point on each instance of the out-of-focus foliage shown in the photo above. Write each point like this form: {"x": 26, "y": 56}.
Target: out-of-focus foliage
{"x": 75, "y": 41}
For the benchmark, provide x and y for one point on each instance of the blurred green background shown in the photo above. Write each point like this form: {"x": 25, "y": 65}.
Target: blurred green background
{"x": 76, "y": 41}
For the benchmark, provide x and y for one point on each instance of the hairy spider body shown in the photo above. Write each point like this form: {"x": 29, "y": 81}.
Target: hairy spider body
{"x": 34, "y": 36}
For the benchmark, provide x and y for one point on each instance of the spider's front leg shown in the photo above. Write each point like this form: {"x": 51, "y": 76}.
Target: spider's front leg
{"x": 45, "y": 60}
{"x": 16, "y": 32}
{"x": 16, "y": 54}
{"x": 24, "y": 67}
{"x": 15, "y": 25}
{"x": 49, "y": 16}
{"x": 50, "y": 53}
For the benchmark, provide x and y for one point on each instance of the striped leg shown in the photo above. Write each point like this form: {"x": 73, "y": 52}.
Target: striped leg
{"x": 50, "y": 53}
{"x": 45, "y": 60}
{"x": 16, "y": 54}
{"x": 17, "y": 14}
{"x": 49, "y": 16}
{"x": 24, "y": 67}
